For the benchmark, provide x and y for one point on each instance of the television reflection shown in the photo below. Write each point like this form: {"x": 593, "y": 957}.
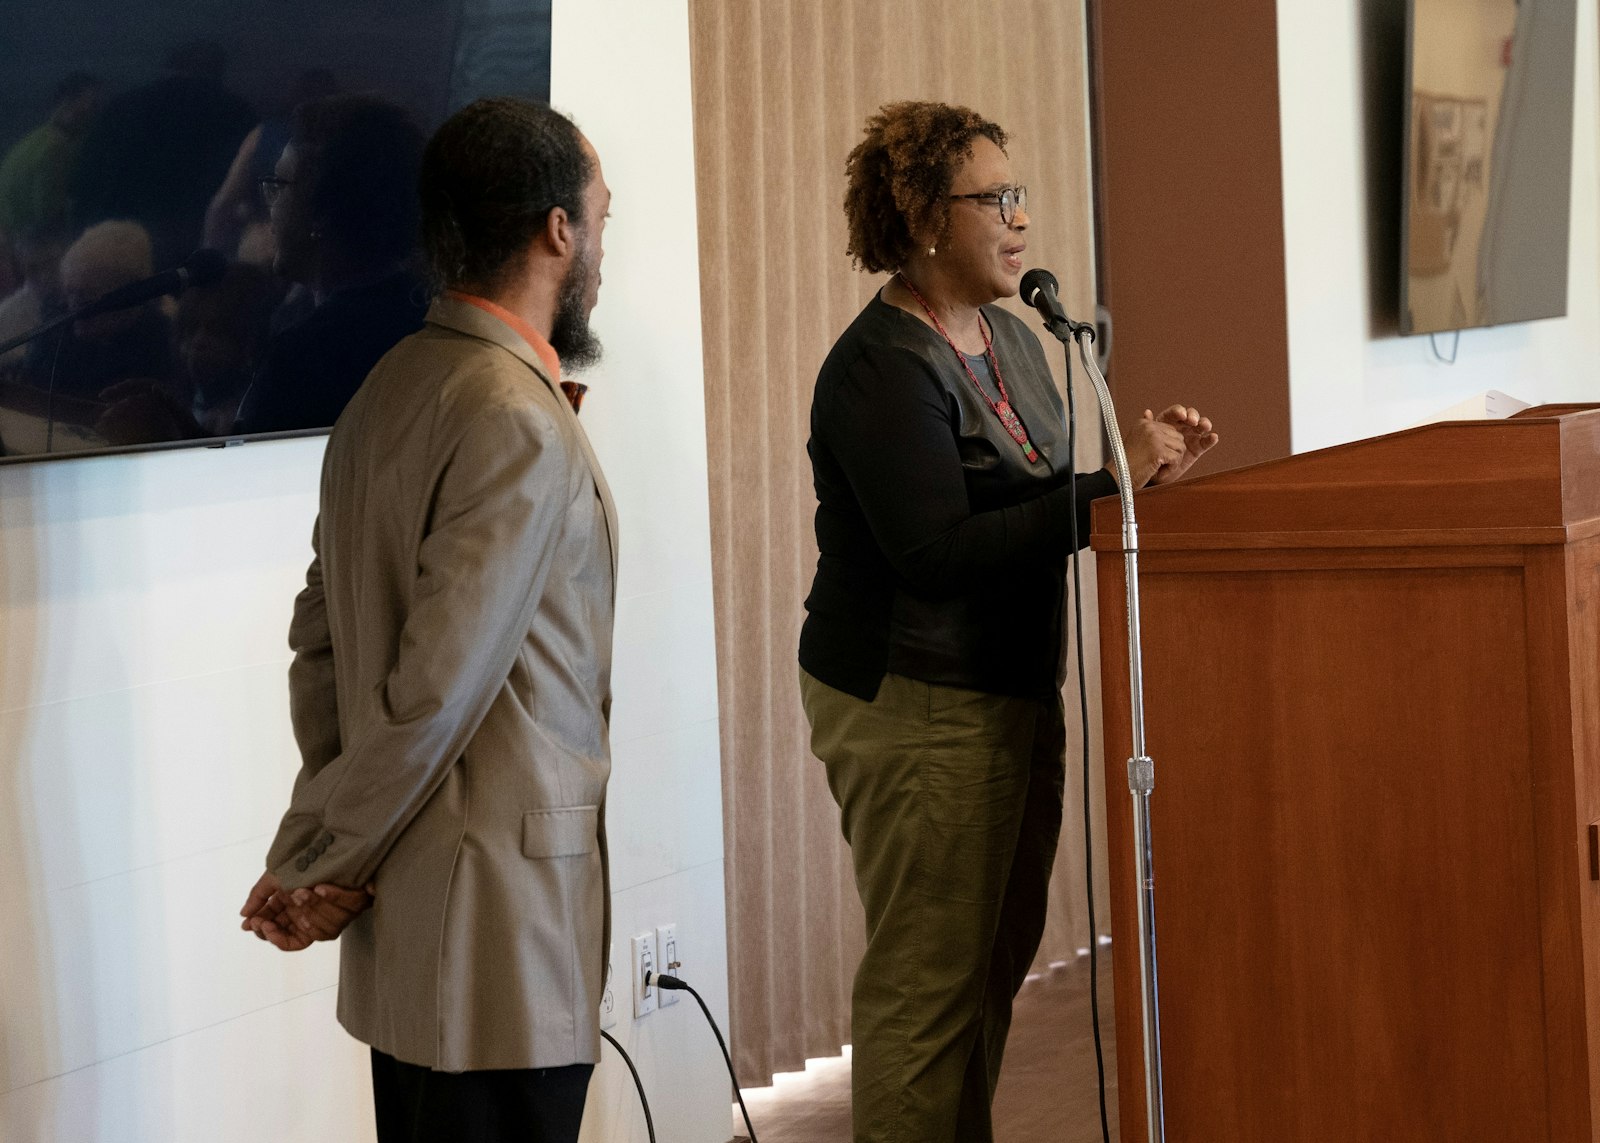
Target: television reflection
{"x": 1488, "y": 163}
{"x": 289, "y": 142}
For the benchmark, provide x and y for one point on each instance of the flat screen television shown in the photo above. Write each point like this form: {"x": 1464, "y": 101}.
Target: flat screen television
{"x": 269, "y": 150}
{"x": 1488, "y": 162}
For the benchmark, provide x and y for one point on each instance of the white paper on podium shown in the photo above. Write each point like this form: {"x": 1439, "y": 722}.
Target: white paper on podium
{"x": 1490, "y": 405}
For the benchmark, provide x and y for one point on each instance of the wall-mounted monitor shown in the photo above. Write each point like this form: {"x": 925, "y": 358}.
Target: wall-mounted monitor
{"x": 285, "y": 137}
{"x": 1488, "y": 162}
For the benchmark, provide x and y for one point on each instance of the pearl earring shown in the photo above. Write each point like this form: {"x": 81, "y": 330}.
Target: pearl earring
{"x": 932, "y": 251}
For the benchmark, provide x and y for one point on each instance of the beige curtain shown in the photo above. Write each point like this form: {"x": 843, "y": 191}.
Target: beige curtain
{"x": 781, "y": 90}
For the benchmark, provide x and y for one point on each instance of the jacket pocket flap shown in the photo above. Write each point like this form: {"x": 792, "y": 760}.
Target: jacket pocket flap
{"x": 560, "y": 833}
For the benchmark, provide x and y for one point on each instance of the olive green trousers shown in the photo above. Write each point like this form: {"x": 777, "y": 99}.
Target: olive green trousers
{"x": 951, "y": 802}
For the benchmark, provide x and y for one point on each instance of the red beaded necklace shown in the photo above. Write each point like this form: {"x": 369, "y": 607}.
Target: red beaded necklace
{"x": 1002, "y": 408}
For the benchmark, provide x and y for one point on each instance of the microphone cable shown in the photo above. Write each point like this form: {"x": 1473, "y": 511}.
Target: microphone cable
{"x": 50, "y": 393}
{"x": 673, "y": 984}
{"x": 1083, "y": 718}
{"x": 649, "y": 1123}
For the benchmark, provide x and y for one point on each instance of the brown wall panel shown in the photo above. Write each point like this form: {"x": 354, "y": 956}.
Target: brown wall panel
{"x": 1191, "y": 215}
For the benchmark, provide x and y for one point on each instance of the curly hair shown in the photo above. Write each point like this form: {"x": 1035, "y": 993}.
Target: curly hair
{"x": 898, "y": 177}
{"x": 490, "y": 178}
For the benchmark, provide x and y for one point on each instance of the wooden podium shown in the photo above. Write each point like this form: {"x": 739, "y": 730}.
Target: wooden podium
{"x": 1372, "y": 680}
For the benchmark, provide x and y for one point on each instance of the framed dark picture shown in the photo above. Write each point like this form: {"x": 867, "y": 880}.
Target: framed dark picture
{"x": 208, "y": 211}
{"x": 1488, "y": 162}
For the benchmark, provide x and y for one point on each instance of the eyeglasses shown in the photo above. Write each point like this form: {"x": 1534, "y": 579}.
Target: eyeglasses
{"x": 1010, "y": 200}
{"x": 272, "y": 188}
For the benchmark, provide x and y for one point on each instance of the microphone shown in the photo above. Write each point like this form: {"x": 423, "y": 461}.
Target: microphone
{"x": 1039, "y": 291}
{"x": 201, "y": 268}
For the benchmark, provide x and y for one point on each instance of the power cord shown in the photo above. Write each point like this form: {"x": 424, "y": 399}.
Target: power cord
{"x": 1083, "y": 716}
{"x": 1455, "y": 348}
{"x": 649, "y": 1123}
{"x": 673, "y": 984}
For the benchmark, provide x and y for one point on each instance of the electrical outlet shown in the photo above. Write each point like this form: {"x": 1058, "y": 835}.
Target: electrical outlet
{"x": 608, "y": 997}
{"x": 644, "y": 961}
{"x": 671, "y": 953}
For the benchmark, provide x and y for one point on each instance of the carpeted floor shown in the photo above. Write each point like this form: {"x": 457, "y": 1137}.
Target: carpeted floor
{"x": 1047, "y": 1089}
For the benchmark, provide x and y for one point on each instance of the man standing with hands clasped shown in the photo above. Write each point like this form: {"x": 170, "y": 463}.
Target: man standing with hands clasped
{"x": 451, "y": 689}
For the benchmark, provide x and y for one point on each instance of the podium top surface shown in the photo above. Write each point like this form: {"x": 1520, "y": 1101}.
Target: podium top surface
{"x": 1530, "y": 479}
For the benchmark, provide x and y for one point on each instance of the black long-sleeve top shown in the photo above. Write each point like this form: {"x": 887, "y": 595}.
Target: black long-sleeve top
{"x": 942, "y": 549}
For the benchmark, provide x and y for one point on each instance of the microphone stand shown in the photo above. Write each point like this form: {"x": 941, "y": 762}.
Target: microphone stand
{"x": 1141, "y": 769}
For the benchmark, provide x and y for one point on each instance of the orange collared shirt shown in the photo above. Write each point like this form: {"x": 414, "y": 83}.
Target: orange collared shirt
{"x": 573, "y": 389}
{"x": 527, "y": 332}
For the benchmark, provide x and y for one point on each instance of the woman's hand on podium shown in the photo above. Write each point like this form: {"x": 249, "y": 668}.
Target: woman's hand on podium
{"x": 1160, "y": 449}
{"x": 1197, "y": 438}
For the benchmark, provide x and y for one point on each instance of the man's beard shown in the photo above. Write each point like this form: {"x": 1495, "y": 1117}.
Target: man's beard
{"x": 570, "y": 336}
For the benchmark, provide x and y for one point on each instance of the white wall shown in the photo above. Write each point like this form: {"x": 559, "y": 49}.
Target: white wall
{"x": 1350, "y": 374}
{"x": 621, "y": 68}
{"x": 145, "y": 752}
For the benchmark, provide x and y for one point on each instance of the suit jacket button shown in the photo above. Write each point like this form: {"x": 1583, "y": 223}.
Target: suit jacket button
{"x": 301, "y": 862}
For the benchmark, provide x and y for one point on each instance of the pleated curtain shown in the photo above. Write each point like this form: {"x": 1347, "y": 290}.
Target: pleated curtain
{"x": 781, "y": 91}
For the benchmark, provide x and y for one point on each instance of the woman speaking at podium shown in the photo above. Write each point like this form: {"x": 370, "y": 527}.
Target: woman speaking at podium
{"x": 931, "y": 650}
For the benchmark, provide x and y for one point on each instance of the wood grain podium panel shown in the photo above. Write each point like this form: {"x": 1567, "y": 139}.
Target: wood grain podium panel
{"x": 1375, "y": 773}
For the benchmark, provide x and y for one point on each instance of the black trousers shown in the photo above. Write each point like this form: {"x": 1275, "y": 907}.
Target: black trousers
{"x": 531, "y": 1105}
